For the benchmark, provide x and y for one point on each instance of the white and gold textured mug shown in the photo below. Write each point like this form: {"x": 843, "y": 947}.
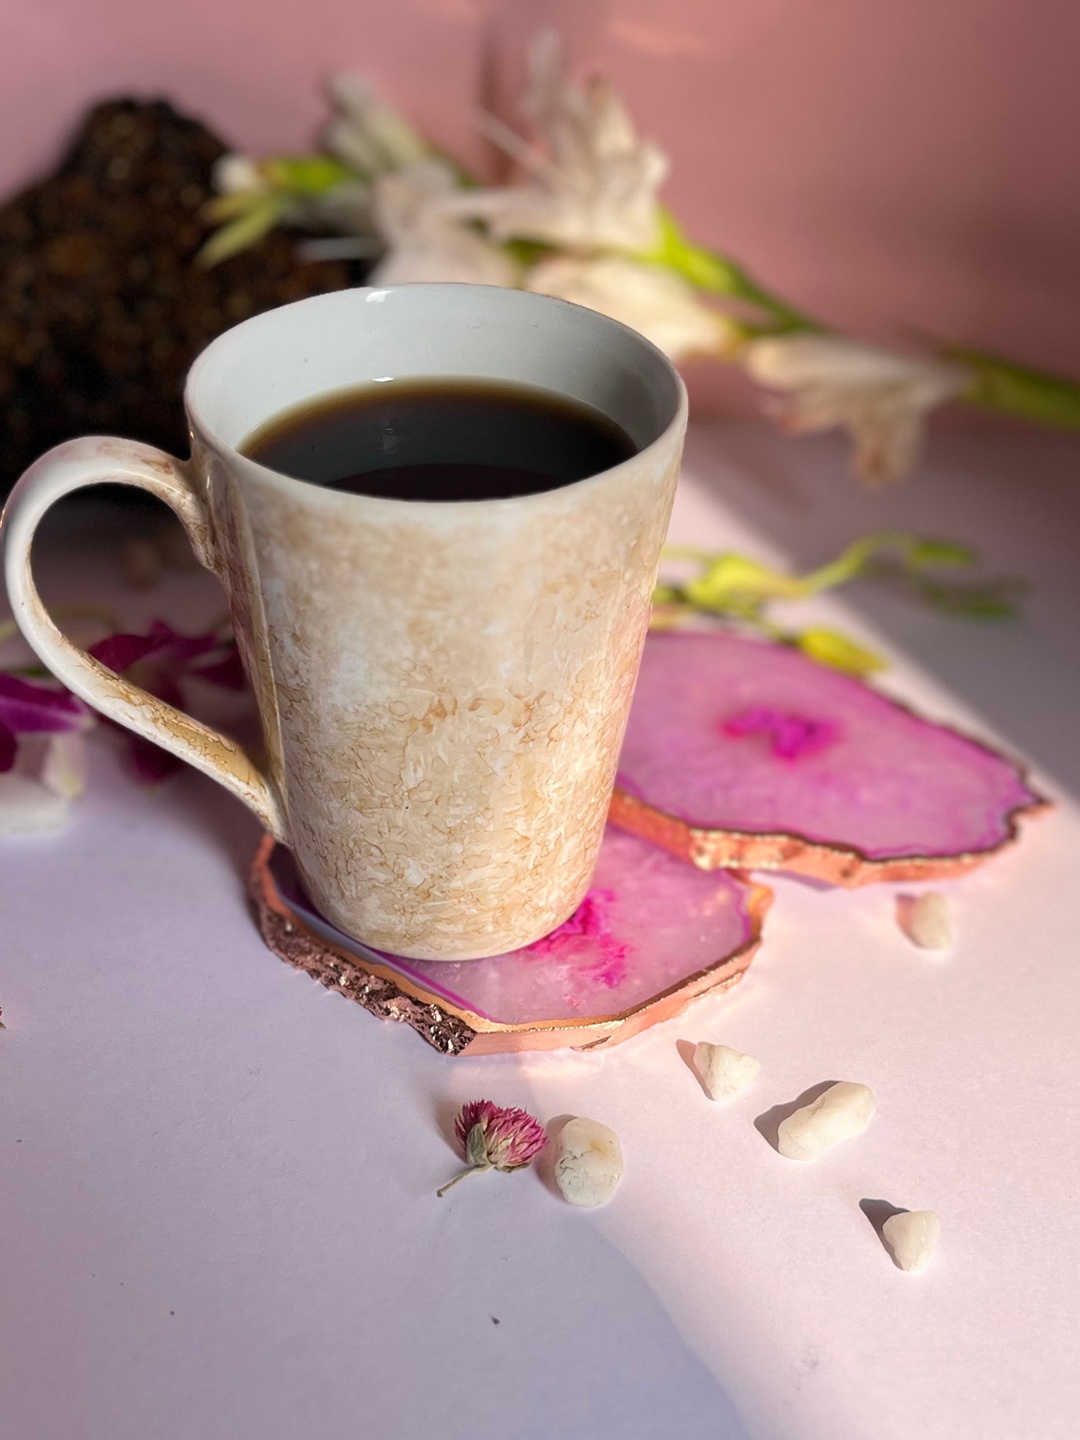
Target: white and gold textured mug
{"x": 443, "y": 687}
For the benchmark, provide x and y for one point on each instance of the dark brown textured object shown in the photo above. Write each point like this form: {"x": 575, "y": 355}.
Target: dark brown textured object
{"x": 102, "y": 308}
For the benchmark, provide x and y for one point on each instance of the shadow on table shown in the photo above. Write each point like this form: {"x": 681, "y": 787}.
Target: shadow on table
{"x": 202, "y": 805}
{"x": 1012, "y": 495}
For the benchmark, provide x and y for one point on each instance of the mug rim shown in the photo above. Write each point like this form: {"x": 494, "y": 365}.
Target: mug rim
{"x": 229, "y": 453}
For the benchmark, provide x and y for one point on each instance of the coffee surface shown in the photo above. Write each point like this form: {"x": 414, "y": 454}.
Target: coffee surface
{"x": 440, "y": 439}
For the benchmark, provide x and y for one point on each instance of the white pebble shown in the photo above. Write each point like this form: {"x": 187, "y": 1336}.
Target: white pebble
{"x": 588, "y": 1162}
{"x": 722, "y": 1071}
{"x": 841, "y": 1111}
{"x": 927, "y": 920}
{"x": 911, "y": 1237}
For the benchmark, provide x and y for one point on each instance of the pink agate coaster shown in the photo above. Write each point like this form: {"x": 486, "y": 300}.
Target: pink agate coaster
{"x": 745, "y": 753}
{"x": 651, "y": 935}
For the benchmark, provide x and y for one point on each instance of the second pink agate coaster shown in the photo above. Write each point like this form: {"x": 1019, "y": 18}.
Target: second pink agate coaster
{"x": 652, "y": 934}
{"x": 741, "y": 752}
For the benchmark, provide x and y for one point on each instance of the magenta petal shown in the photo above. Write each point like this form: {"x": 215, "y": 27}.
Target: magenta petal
{"x": 176, "y": 649}
{"x": 227, "y": 671}
{"x": 745, "y": 753}
{"x": 659, "y": 924}
{"x": 120, "y": 652}
{"x": 150, "y": 763}
{"x": 27, "y": 709}
{"x": 162, "y": 644}
{"x": 8, "y": 746}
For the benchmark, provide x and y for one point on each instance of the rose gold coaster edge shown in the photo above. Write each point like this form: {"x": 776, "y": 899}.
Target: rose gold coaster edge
{"x": 454, "y": 1030}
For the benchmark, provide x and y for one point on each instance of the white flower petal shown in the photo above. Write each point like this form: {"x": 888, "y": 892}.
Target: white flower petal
{"x": 49, "y": 772}
{"x": 593, "y": 187}
{"x": 453, "y": 256}
{"x": 28, "y": 807}
{"x": 367, "y": 133}
{"x": 235, "y": 174}
{"x": 655, "y": 302}
{"x": 62, "y": 767}
{"x": 402, "y": 200}
{"x": 882, "y": 399}
{"x": 424, "y": 242}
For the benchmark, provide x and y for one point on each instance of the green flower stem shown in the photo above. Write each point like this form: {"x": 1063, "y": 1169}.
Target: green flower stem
{"x": 718, "y": 274}
{"x": 306, "y": 174}
{"x": 1010, "y": 389}
{"x": 996, "y": 384}
{"x": 861, "y": 555}
{"x": 469, "y": 1170}
{"x": 476, "y": 1152}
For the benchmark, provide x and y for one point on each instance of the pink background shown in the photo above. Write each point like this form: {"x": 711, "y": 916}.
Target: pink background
{"x": 890, "y": 166}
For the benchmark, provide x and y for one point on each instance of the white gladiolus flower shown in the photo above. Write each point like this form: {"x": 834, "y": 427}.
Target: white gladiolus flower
{"x": 366, "y": 133}
{"x": 655, "y": 302}
{"x": 593, "y": 184}
{"x": 423, "y": 242}
{"x": 880, "y": 398}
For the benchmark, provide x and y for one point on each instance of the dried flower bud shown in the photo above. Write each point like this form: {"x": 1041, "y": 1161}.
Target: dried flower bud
{"x": 494, "y": 1137}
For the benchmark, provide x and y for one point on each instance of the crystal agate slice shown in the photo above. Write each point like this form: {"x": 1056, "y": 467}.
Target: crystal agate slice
{"x": 650, "y": 929}
{"x": 744, "y": 753}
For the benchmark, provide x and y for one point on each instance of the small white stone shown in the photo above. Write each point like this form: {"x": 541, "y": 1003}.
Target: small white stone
{"x": 841, "y": 1111}
{"x": 588, "y": 1162}
{"x": 927, "y": 920}
{"x": 722, "y": 1071}
{"x": 911, "y": 1237}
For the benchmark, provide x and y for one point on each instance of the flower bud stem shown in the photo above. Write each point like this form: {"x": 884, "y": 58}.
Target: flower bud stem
{"x": 469, "y": 1170}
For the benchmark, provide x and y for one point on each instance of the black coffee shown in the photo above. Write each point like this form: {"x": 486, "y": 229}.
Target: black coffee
{"x": 440, "y": 439}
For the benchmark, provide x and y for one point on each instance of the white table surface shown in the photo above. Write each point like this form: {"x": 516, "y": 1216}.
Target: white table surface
{"x": 217, "y": 1183}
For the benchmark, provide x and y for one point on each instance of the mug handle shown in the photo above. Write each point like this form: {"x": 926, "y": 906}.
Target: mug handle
{"x": 99, "y": 460}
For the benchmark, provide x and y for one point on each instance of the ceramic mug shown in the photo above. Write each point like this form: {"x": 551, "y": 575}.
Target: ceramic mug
{"x": 443, "y": 687}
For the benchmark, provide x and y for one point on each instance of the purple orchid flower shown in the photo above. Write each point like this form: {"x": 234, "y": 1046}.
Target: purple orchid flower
{"x": 164, "y": 658}
{"x": 30, "y": 709}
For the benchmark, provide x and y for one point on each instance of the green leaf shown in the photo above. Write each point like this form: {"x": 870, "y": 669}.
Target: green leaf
{"x": 662, "y": 595}
{"x": 939, "y": 552}
{"x": 830, "y": 648}
{"x": 979, "y": 600}
{"x": 243, "y": 232}
{"x": 305, "y": 175}
{"x": 476, "y": 1148}
{"x": 228, "y": 207}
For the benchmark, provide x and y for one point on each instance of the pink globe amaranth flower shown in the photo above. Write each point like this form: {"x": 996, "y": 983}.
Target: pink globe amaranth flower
{"x": 496, "y": 1137}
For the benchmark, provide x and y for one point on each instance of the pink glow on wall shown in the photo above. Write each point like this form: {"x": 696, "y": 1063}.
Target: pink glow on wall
{"x": 905, "y": 166}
